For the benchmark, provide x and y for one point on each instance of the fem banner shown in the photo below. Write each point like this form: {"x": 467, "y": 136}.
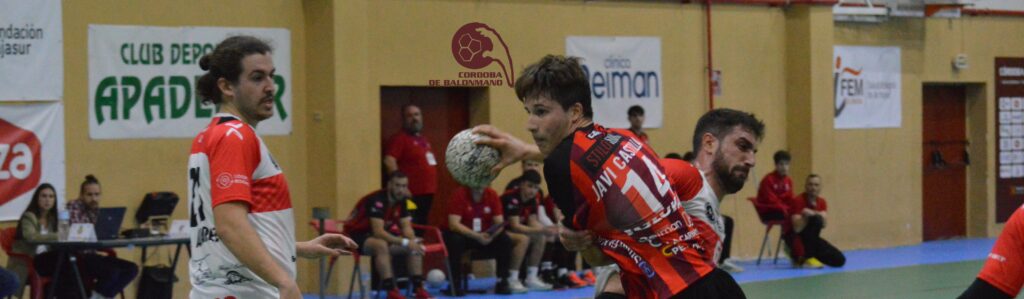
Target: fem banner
{"x": 623, "y": 71}
{"x": 142, "y": 80}
{"x": 31, "y": 50}
{"x": 31, "y": 153}
{"x": 867, "y": 87}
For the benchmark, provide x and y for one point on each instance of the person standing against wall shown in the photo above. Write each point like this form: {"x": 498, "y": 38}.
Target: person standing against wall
{"x": 636, "y": 122}
{"x": 410, "y": 152}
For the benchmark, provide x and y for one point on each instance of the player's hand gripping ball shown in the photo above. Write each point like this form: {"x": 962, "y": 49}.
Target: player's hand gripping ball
{"x": 470, "y": 163}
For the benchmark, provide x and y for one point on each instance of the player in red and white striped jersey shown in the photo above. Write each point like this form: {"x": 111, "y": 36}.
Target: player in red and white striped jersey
{"x": 242, "y": 226}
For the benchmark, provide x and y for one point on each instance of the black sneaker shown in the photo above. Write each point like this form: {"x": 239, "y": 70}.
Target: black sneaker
{"x": 502, "y": 287}
{"x": 550, "y": 277}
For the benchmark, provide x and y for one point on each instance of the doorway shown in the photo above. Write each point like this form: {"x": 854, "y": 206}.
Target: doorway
{"x": 944, "y": 162}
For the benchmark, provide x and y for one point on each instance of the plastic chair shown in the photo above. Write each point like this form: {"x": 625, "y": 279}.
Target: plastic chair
{"x": 36, "y": 283}
{"x": 331, "y": 227}
{"x": 763, "y": 211}
{"x": 433, "y": 244}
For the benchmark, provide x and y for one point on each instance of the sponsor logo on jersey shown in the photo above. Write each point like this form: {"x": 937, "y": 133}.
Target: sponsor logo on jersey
{"x": 597, "y": 154}
{"x": 206, "y": 234}
{"x": 225, "y": 180}
{"x": 233, "y": 277}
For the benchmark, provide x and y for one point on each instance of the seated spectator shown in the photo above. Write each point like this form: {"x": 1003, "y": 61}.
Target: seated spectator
{"x": 776, "y": 188}
{"x": 558, "y": 267}
{"x": 37, "y": 223}
{"x": 370, "y": 225}
{"x": 554, "y": 253}
{"x": 808, "y": 213}
{"x": 111, "y": 274}
{"x": 527, "y": 165}
{"x": 521, "y": 206}
{"x": 475, "y": 222}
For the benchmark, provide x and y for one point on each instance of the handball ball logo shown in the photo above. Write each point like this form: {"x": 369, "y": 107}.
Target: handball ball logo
{"x": 473, "y": 47}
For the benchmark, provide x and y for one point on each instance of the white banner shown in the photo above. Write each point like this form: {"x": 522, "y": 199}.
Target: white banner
{"x": 31, "y": 153}
{"x": 867, "y": 87}
{"x": 623, "y": 71}
{"x": 31, "y": 50}
{"x": 142, "y": 80}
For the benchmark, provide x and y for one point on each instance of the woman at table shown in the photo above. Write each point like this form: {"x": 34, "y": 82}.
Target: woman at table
{"x": 37, "y": 223}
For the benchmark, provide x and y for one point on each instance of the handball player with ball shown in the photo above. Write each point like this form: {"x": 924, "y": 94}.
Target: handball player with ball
{"x": 620, "y": 207}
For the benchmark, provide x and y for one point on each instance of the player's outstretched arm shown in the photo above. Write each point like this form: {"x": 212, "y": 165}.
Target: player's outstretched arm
{"x": 241, "y": 239}
{"x": 326, "y": 245}
{"x": 512, "y": 149}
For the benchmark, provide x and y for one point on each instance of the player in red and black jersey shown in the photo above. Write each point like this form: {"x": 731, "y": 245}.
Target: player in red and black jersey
{"x": 725, "y": 142}
{"x": 382, "y": 226}
{"x": 619, "y": 205}
{"x": 1003, "y": 273}
{"x": 521, "y": 206}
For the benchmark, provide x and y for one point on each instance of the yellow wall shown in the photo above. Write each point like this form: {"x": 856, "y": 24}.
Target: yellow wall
{"x": 775, "y": 63}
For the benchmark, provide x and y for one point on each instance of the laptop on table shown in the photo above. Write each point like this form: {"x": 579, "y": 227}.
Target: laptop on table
{"x": 108, "y": 223}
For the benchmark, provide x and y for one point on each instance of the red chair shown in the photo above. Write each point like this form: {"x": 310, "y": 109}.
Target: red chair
{"x": 331, "y": 226}
{"x": 433, "y": 244}
{"x": 765, "y": 213}
{"x": 36, "y": 283}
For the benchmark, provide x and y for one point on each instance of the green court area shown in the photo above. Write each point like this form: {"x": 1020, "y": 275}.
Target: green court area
{"x": 926, "y": 281}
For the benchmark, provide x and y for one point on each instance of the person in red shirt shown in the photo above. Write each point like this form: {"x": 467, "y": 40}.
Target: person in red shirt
{"x": 619, "y": 206}
{"x": 373, "y": 224}
{"x": 808, "y": 213}
{"x": 636, "y": 122}
{"x": 1003, "y": 273}
{"x": 773, "y": 196}
{"x": 777, "y": 187}
{"x": 476, "y": 222}
{"x": 410, "y": 152}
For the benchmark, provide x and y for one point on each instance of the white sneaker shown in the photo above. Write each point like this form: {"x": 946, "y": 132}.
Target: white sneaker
{"x": 516, "y": 286}
{"x": 535, "y": 284}
{"x": 731, "y": 266}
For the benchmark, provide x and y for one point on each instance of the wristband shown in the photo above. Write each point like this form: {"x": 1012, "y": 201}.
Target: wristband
{"x": 405, "y": 242}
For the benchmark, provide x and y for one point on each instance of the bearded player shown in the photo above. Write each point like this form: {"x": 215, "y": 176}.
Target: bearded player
{"x": 725, "y": 141}
{"x": 242, "y": 225}
{"x": 620, "y": 206}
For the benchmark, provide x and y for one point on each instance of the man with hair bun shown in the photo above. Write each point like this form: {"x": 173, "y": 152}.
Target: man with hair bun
{"x": 242, "y": 224}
